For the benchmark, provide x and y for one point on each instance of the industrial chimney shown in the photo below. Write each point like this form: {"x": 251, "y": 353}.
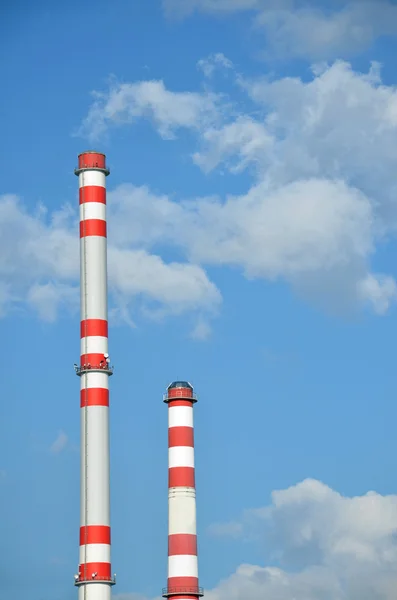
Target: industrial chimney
{"x": 94, "y": 578}
{"x": 183, "y": 580}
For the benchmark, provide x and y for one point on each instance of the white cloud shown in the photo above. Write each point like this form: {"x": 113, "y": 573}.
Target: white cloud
{"x": 49, "y": 297}
{"x": 186, "y": 7}
{"x": 294, "y": 28}
{"x": 379, "y": 291}
{"x": 317, "y": 234}
{"x": 330, "y": 546}
{"x": 60, "y": 443}
{"x": 202, "y": 330}
{"x": 139, "y": 216}
{"x": 126, "y": 102}
{"x": 214, "y": 62}
{"x": 305, "y": 226}
{"x": 320, "y": 34}
{"x": 339, "y": 124}
{"x": 39, "y": 267}
{"x": 36, "y": 251}
{"x": 175, "y": 287}
{"x": 322, "y": 155}
{"x": 237, "y": 145}
{"x": 311, "y": 523}
{"x": 255, "y": 583}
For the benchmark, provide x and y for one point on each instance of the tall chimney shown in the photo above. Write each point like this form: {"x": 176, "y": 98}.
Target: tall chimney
{"x": 183, "y": 580}
{"x": 94, "y": 578}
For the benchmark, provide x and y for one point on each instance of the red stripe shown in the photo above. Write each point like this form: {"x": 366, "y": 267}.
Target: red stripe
{"x": 102, "y": 569}
{"x": 181, "y": 477}
{"x": 94, "y": 397}
{"x": 180, "y": 393}
{"x": 181, "y": 584}
{"x": 94, "y": 534}
{"x": 93, "y": 359}
{"x": 182, "y": 543}
{"x": 185, "y": 596}
{"x": 92, "y": 159}
{"x": 92, "y": 193}
{"x": 172, "y": 403}
{"x": 93, "y": 227}
{"x": 180, "y": 436}
{"x": 93, "y": 327}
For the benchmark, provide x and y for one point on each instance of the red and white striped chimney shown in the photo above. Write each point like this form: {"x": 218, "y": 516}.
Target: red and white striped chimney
{"x": 94, "y": 578}
{"x": 183, "y": 580}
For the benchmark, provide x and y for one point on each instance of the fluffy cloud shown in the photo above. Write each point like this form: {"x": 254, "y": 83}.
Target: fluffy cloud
{"x": 341, "y": 123}
{"x": 254, "y": 583}
{"x": 319, "y": 34}
{"x": 321, "y": 154}
{"x": 237, "y": 145}
{"x": 315, "y": 233}
{"x": 329, "y": 547}
{"x": 174, "y": 287}
{"x": 126, "y": 102}
{"x": 39, "y": 265}
{"x": 285, "y": 231}
{"x": 293, "y": 28}
{"x": 36, "y": 252}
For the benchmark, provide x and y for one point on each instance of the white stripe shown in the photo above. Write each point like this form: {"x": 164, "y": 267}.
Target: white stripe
{"x": 182, "y": 515}
{"x": 180, "y": 416}
{"x": 92, "y": 178}
{"x": 93, "y": 344}
{"x": 181, "y": 492}
{"x": 95, "y": 553}
{"x": 96, "y": 446}
{"x": 99, "y": 591}
{"x": 182, "y": 565}
{"x": 181, "y": 456}
{"x": 94, "y": 380}
{"x": 92, "y": 210}
{"x": 93, "y": 269}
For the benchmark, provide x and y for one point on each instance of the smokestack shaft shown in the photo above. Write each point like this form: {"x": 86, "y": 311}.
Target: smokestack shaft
{"x": 94, "y": 578}
{"x": 183, "y": 582}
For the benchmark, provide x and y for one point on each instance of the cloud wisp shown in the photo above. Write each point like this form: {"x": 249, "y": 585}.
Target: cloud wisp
{"x": 60, "y": 443}
{"x": 298, "y": 29}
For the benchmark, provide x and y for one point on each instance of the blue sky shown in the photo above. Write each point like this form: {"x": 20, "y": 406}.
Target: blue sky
{"x": 252, "y": 235}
